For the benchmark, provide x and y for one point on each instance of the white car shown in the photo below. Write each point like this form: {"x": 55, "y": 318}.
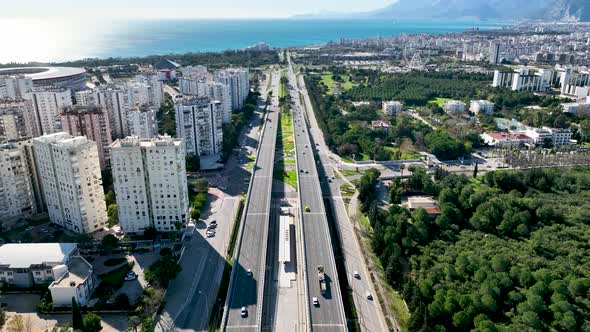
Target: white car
{"x": 315, "y": 301}
{"x": 130, "y": 276}
{"x": 244, "y": 312}
{"x": 210, "y": 234}
{"x": 249, "y": 272}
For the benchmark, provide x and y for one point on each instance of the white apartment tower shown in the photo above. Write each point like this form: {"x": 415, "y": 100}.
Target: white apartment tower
{"x": 17, "y": 199}
{"x": 142, "y": 122}
{"x": 199, "y": 122}
{"x": 239, "y": 85}
{"x": 69, "y": 170}
{"x": 155, "y": 88}
{"x": 47, "y": 104}
{"x": 150, "y": 183}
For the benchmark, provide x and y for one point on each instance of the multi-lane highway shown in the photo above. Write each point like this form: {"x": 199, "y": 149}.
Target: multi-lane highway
{"x": 370, "y": 315}
{"x": 247, "y": 278}
{"x": 328, "y": 315}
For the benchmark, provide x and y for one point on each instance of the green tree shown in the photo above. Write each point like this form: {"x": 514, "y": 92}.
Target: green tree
{"x": 77, "y": 320}
{"x": 91, "y": 323}
{"x": 113, "y": 215}
{"x": 201, "y": 185}
{"x": 162, "y": 271}
{"x": 109, "y": 242}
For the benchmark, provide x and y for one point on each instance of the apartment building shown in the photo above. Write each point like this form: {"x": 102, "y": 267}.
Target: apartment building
{"x": 454, "y": 106}
{"x": 92, "y": 122}
{"x": 69, "y": 170}
{"x": 392, "y": 107}
{"x": 15, "y": 87}
{"x": 17, "y": 120}
{"x": 149, "y": 177}
{"x": 155, "y": 88}
{"x": 48, "y": 102}
{"x": 199, "y": 122}
{"x": 238, "y": 82}
{"x": 142, "y": 122}
{"x": 481, "y": 106}
{"x": 117, "y": 101}
{"x": 17, "y": 200}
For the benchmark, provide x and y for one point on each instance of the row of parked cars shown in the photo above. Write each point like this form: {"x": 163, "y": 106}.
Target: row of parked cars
{"x": 211, "y": 228}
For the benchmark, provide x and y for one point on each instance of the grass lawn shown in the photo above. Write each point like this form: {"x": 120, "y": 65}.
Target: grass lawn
{"x": 404, "y": 156}
{"x": 439, "y": 101}
{"x": 348, "y": 172}
{"x": 289, "y": 177}
{"x": 328, "y": 81}
{"x": 347, "y": 190}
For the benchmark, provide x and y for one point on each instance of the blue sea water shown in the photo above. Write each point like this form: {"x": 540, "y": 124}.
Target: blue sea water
{"x": 146, "y": 37}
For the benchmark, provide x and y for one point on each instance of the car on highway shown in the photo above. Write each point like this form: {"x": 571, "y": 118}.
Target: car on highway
{"x": 315, "y": 301}
{"x": 244, "y": 312}
{"x": 369, "y": 296}
{"x": 356, "y": 274}
{"x": 130, "y": 276}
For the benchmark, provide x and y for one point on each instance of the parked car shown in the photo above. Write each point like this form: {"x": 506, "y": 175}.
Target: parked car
{"x": 244, "y": 312}
{"x": 130, "y": 276}
{"x": 356, "y": 275}
{"x": 249, "y": 272}
{"x": 316, "y": 302}
{"x": 369, "y": 296}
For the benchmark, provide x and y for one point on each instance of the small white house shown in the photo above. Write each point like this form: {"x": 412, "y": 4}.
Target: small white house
{"x": 75, "y": 280}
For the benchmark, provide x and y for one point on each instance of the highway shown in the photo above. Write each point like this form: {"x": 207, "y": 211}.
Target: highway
{"x": 247, "y": 290}
{"x": 329, "y": 314}
{"x": 370, "y": 315}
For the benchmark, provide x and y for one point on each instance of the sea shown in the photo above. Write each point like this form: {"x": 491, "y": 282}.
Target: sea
{"x": 28, "y": 40}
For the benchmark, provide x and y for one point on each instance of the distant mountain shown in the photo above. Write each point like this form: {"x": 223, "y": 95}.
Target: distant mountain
{"x": 572, "y": 10}
{"x": 553, "y": 10}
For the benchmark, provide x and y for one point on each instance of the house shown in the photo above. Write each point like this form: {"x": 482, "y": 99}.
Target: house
{"x": 24, "y": 265}
{"x": 74, "y": 280}
{"x": 503, "y": 139}
{"x": 423, "y": 202}
{"x": 381, "y": 124}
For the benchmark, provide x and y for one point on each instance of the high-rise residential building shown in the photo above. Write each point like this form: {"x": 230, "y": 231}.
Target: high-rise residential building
{"x": 117, "y": 101}
{"x": 215, "y": 91}
{"x": 149, "y": 178}
{"x": 17, "y": 120}
{"x": 494, "y": 52}
{"x": 69, "y": 170}
{"x": 139, "y": 93}
{"x": 92, "y": 122}
{"x": 220, "y": 92}
{"x": 48, "y": 102}
{"x": 15, "y": 86}
{"x": 142, "y": 121}
{"x": 155, "y": 88}
{"x": 199, "y": 122}
{"x": 28, "y": 152}
{"x": 238, "y": 82}
{"x": 16, "y": 191}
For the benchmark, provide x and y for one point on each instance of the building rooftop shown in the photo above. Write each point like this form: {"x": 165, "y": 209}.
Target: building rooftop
{"x": 23, "y": 255}
{"x": 78, "y": 270}
{"x": 501, "y": 136}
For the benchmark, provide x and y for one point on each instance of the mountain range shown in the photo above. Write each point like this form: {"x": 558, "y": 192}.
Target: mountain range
{"x": 549, "y": 10}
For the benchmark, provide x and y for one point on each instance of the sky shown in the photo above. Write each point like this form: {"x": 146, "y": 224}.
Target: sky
{"x": 141, "y": 9}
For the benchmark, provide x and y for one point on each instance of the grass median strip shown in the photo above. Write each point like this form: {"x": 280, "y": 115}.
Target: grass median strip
{"x": 287, "y": 176}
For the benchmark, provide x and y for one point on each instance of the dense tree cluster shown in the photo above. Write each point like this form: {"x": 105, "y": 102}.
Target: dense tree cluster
{"x": 508, "y": 252}
{"x": 346, "y": 130}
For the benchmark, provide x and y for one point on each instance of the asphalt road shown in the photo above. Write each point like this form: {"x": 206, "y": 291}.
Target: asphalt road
{"x": 329, "y": 314}
{"x": 371, "y": 317}
{"x": 247, "y": 290}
